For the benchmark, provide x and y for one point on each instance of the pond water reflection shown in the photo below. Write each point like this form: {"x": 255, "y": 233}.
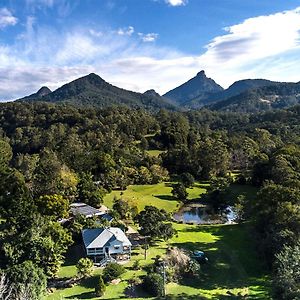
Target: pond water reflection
{"x": 201, "y": 214}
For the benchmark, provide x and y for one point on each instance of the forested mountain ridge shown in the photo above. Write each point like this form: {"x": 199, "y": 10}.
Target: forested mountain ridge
{"x": 93, "y": 91}
{"x": 274, "y": 96}
{"x": 245, "y": 96}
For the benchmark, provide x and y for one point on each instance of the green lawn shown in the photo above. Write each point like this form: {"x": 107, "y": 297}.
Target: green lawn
{"x": 158, "y": 195}
{"x": 233, "y": 269}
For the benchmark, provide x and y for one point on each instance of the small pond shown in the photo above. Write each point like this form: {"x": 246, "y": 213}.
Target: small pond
{"x": 197, "y": 213}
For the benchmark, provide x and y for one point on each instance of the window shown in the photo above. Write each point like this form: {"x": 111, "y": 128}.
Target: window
{"x": 117, "y": 247}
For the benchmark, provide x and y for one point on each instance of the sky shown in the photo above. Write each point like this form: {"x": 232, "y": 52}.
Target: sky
{"x": 146, "y": 44}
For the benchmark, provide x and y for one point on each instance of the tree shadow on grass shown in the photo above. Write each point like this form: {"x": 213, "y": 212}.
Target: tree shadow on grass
{"x": 182, "y": 296}
{"x": 85, "y": 295}
{"x": 166, "y": 197}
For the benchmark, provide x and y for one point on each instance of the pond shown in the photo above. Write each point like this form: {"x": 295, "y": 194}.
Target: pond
{"x": 197, "y": 213}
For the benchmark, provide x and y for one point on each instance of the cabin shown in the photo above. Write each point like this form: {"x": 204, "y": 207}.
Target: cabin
{"x": 105, "y": 245}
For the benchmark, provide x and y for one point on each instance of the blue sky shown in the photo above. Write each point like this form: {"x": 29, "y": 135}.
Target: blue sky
{"x": 143, "y": 44}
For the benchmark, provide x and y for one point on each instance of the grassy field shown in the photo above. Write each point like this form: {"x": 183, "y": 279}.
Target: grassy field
{"x": 233, "y": 271}
{"x": 158, "y": 195}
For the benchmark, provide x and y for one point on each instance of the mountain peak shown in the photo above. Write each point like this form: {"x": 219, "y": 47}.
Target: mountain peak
{"x": 152, "y": 93}
{"x": 201, "y": 74}
{"x": 43, "y": 91}
{"x": 198, "y": 87}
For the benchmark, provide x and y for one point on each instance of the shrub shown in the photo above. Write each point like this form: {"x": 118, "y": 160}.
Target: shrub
{"x": 187, "y": 179}
{"x": 100, "y": 287}
{"x": 154, "y": 284}
{"x": 136, "y": 265}
{"x": 84, "y": 267}
{"x": 112, "y": 271}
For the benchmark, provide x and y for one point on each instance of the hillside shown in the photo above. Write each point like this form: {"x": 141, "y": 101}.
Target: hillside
{"x": 276, "y": 96}
{"x": 42, "y": 92}
{"x": 200, "y": 87}
{"x": 92, "y": 90}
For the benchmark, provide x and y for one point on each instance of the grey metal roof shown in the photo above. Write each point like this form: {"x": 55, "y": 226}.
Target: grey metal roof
{"x": 101, "y": 237}
{"x": 84, "y": 209}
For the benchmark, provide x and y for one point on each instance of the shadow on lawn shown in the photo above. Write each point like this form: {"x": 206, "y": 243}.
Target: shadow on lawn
{"x": 86, "y": 295}
{"x": 166, "y": 197}
{"x": 73, "y": 254}
{"x": 233, "y": 261}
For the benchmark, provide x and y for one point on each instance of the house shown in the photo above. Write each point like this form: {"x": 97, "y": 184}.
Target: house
{"x": 88, "y": 211}
{"x": 106, "y": 244}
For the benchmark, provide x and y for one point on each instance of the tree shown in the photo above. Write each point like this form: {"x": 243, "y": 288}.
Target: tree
{"x": 287, "y": 278}
{"x": 100, "y": 287}
{"x": 217, "y": 193}
{"x": 166, "y": 231}
{"x": 159, "y": 174}
{"x": 152, "y": 223}
{"x": 154, "y": 284}
{"x": 187, "y": 179}
{"x": 89, "y": 192}
{"x": 84, "y": 267}
{"x": 5, "y": 153}
{"x": 179, "y": 192}
{"x": 27, "y": 276}
{"x": 277, "y": 218}
{"x": 239, "y": 207}
{"x": 47, "y": 174}
{"x": 36, "y": 239}
{"x": 112, "y": 271}
{"x": 54, "y": 206}
{"x": 182, "y": 264}
{"x": 124, "y": 209}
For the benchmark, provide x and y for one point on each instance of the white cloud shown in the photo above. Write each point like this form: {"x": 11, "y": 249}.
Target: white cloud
{"x": 148, "y": 37}
{"x": 6, "y": 18}
{"x": 255, "y": 42}
{"x": 95, "y": 33}
{"x": 126, "y": 31}
{"x": 261, "y": 47}
{"x": 176, "y": 2}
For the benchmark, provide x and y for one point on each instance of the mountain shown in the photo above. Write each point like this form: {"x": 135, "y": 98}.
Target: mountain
{"x": 43, "y": 91}
{"x": 200, "y": 87}
{"x": 235, "y": 89}
{"x": 274, "y": 96}
{"x": 92, "y": 90}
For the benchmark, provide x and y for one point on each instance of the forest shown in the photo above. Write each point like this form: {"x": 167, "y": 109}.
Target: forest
{"x": 52, "y": 155}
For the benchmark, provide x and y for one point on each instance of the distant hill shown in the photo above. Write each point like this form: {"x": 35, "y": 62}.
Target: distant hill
{"x": 92, "y": 90}
{"x": 200, "y": 87}
{"x": 201, "y": 91}
{"x": 43, "y": 91}
{"x": 236, "y": 88}
{"x": 274, "y": 96}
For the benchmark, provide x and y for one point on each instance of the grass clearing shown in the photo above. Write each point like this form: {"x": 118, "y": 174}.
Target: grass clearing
{"x": 158, "y": 195}
{"x": 154, "y": 153}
